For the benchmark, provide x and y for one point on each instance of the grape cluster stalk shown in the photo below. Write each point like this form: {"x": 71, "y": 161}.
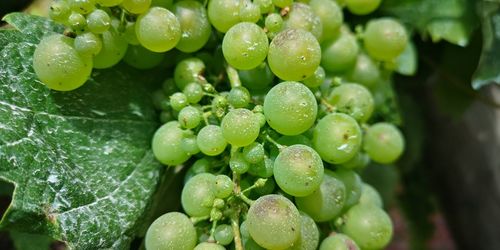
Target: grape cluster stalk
{"x": 269, "y": 104}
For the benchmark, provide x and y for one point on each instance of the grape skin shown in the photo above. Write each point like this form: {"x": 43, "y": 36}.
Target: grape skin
{"x": 298, "y": 170}
{"x": 172, "y": 231}
{"x": 337, "y": 138}
{"x": 294, "y": 55}
{"x": 273, "y": 222}
{"x": 290, "y": 108}
{"x": 166, "y": 144}
{"x": 58, "y": 65}
{"x": 158, "y": 29}
{"x": 245, "y": 46}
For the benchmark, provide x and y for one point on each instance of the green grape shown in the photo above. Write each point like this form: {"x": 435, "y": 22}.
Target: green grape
{"x": 109, "y": 3}
{"x": 331, "y": 17}
{"x": 193, "y": 92}
{"x": 353, "y": 186}
{"x": 223, "y": 14}
{"x": 245, "y": 46}
{"x": 385, "y": 39}
{"x": 340, "y": 54}
{"x": 209, "y": 246}
{"x": 142, "y": 58}
{"x": 338, "y": 242}
{"x": 249, "y": 12}
{"x": 298, "y": 170}
{"x": 211, "y": 140}
{"x": 290, "y": 108}
{"x": 257, "y": 78}
{"x": 360, "y": 160}
{"x": 364, "y": 72}
{"x": 240, "y": 127}
{"x": 368, "y": 225}
{"x": 301, "y": 16}
{"x": 254, "y": 153}
{"x": 238, "y": 164}
{"x": 354, "y": 100}
{"x": 337, "y": 138}
{"x": 282, "y": 3}
{"x": 273, "y": 222}
{"x": 172, "y": 231}
{"x": 188, "y": 145}
{"x": 82, "y": 6}
{"x": 239, "y": 97}
{"x": 130, "y": 35}
{"x": 316, "y": 79}
{"x": 59, "y": 11}
{"x": 326, "y": 202}
{"x": 88, "y": 44}
{"x": 178, "y": 101}
{"x": 136, "y": 6}
{"x": 261, "y": 118}
{"x": 223, "y": 187}
{"x": 114, "y": 47}
{"x": 309, "y": 234}
{"x": 194, "y": 23}
{"x": 190, "y": 117}
{"x": 362, "y": 7}
{"x": 77, "y": 22}
{"x": 294, "y": 55}
{"x": 262, "y": 169}
{"x": 158, "y": 29}
{"x": 250, "y": 244}
{"x": 187, "y": 71}
{"x": 370, "y": 196}
{"x": 223, "y": 234}
{"x": 219, "y": 105}
{"x": 244, "y": 230}
{"x": 265, "y": 6}
{"x": 169, "y": 87}
{"x": 162, "y": 3}
{"x": 198, "y": 195}
{"x": 166, "y": 144}
{"x": 58, "y": 65}
{"x": 274, "y": 22}
{"x": 383, "y": 142}
{"x": 98, "y": 21}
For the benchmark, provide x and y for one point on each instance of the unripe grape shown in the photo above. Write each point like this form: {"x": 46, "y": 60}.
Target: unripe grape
{"x": 385, "y": 39}
{"x": 294, "y": 55}
{"x": 173, "y": 231}
{"x": 58, "y": 65}
{"x": 158, "y": 29}
{"x": 273, "y": 222}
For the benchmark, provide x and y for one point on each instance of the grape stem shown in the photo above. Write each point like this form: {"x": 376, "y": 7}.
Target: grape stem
{"x": 328, "y": 106}
{"x": 271, "y": 140}
{"x": 212, "y": 231}
{"x": 235, "y": 224}
{"x": 205, "y": 117}
{"x": 244, "y": 198}
{"x": 259, "y": 183}
{"x": 195, "y": 220}
{"x": 234, "y": 78}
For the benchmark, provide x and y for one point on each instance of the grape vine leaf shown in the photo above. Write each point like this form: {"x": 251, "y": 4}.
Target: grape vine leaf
{"x": 450, "y": 20}
{"x": 488, "y": 70}
{"x": 80, "y": 161}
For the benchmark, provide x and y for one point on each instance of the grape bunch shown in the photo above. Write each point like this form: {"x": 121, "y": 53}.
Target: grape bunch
{"x": 269, "y": 105}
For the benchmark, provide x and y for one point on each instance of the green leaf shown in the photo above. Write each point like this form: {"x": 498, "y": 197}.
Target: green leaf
{"x": 80, "y": 161}
{"x": 488, "y": 70}
{"x": 450, "y": 20}
{"x": 26, "y": 241}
